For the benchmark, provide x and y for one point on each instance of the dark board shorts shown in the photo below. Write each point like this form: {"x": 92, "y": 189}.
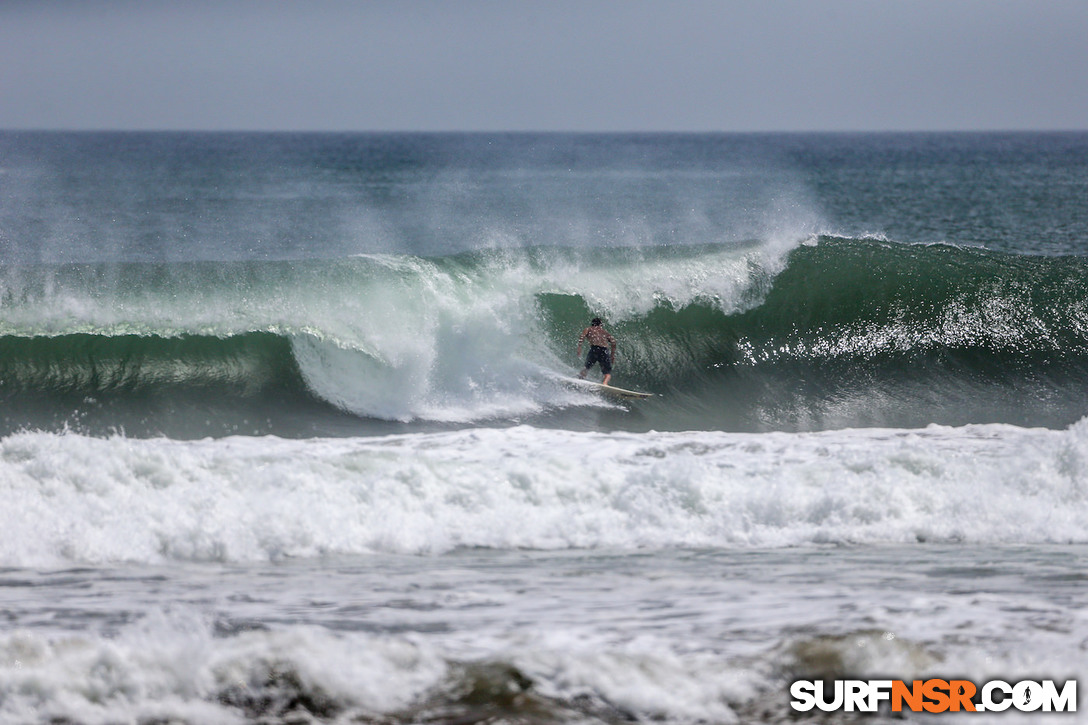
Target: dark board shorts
{"x": 600, "y": 355}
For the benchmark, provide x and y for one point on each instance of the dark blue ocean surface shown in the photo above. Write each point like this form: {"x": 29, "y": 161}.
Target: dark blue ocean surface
{"x": 89, "y": 197}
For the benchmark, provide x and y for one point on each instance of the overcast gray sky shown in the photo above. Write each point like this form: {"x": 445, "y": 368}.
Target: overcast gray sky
{"x": 577, "y": 65}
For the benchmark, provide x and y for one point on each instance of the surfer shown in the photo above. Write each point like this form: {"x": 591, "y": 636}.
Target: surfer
{"x": 598, "y": 338}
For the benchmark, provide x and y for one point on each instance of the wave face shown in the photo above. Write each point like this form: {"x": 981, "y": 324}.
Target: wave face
{"x": 832, "y": 333}
{"x": 864, "y": 332}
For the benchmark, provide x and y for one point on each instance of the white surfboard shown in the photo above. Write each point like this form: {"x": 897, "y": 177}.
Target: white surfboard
{"x": 613, "y": 390}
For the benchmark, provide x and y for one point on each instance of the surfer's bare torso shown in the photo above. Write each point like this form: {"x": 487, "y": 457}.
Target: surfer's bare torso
{"x": 597, "y": 336}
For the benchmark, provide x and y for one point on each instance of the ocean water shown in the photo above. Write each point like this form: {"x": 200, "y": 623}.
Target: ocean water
{"x": 287, "y": 432}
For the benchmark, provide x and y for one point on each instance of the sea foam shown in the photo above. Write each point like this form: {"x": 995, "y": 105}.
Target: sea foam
{"x": 76, "y": 498}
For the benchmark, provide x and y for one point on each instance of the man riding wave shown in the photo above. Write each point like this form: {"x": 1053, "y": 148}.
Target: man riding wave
{"x": 602, "y": 349}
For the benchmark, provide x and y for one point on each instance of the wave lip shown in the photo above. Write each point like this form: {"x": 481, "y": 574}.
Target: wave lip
{"x": 253, "y": 499}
